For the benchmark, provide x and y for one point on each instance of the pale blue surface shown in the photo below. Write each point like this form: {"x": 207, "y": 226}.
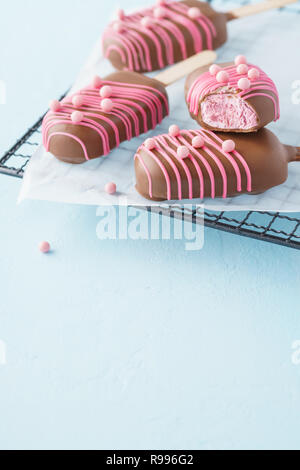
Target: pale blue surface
{"x": 123, "y": 344}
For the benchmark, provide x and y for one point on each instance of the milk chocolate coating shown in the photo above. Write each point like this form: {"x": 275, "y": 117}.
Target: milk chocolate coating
{"x": 266, "y": 158}
{"x": 136, "y": 110}
{"x": 114, "y": 47}
{"x": 262, "y": 106}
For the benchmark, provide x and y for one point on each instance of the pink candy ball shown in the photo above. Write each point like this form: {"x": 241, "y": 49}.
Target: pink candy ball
{"x": 106, "y": 91}
{"x": 77, "y": 101}
{"x": 150, "y": 144}
{"x": 228, "y": 146}
{"x": 97, "y": 82}
{"x": 118, "y": 27}
{"x": 174, "y": 130}
{"x": 222, "y": 77}
{"x": 242, "y": 69}
{"x": 161, "y": 2}
{"x": 146, "y": 22}
{"x": 111, "y": 188}
{"x": 44, "y": 247}
{"x": 55, "y": 106}
{"x": 244, "y": 84}
{"x": 120, "y": 14}
{"x": 253, "y": 74}
{"x": 194, "y": 13}
{"x": 107, "y": 105}
{"x": 183, "y": 152}
{"x": 198, "y": 142}
{"x": 240, "y": 59}
{"x": 214, "y": 69}
{"x": 160, "y": 12}
{"x": 77, "y": 117}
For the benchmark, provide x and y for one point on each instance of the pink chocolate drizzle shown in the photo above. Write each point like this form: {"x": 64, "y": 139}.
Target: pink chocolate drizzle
{"x": 164, "y": 151}
{"x": 134, "y": 49}
{"x": 128, "y": 100}
{"x": 207, "y": 84}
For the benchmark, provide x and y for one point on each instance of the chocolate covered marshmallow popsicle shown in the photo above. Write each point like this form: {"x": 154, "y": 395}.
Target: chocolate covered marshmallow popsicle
{"x": 233, "y": 97}
{"x": 171, "y": 31}
{"x": 206, "y": 164}
{"x": 93, "y": 121}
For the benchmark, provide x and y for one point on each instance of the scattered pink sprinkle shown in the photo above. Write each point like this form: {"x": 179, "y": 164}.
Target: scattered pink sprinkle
{"x": 118, "y": 27}
{"x": 77, "y": 101}
{"x": 242, "y": 69}
{"x": 106, "y": 91}
{"x": 244, "y": 83}
{"x": 97, "y": 82}
{"x": 55, "y": 106}
{"x": 214, "y": 69}
{"x": 183, "y": 152}
{"x": 107, "y": 105}
{"x": 228, "y": 146}
{"x": 240, "y": 59}
{"x": 160, "y": 12}
{"x": 222, "y": 77}
{"x": 146, "y": 22}
{"x": 174, "y": 130}
{"x": 253, "y": 74}
{"x": 44, "y": 247}
{"x": 150, "y": 144}
{"x": 111, "y": 188}
{"x": 120, "y": 14}
{"x": 198, "y": 142}
{"x": 77, "y": 117}
{"x": 194, "y": 13}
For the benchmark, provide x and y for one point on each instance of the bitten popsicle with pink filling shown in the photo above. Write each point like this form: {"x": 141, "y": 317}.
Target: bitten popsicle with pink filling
{"x": 233, "y": 97}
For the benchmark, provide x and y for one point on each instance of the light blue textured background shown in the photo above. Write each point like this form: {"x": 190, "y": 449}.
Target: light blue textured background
{"x": 123, "y": 344}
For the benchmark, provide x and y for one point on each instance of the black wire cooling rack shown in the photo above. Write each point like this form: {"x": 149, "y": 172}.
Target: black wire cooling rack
{"x": 279, "y": 228}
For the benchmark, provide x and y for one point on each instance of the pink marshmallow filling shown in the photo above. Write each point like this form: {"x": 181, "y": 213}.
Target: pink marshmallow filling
{"x": 228, "y": 111}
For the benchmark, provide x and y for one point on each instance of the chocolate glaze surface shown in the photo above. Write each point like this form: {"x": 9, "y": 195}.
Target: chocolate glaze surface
{"x": 258, "y": 163}
{"x": 168, "y": 40}
{"x": 139, "y": 104}
{"x": 264, "y": 102}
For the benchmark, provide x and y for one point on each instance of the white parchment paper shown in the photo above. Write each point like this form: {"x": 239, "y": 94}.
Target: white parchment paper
{"x": 270, "y": 40}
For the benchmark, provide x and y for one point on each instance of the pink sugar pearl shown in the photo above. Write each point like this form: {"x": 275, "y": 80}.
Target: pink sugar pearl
{"x": 222, "y": 77}
{"x": 77, "y": 117}
{"x": 183, "y": 152}
{"x": 97, "y": 82}
{"x": 240, "y": 59}
{"x": 174, "y": 130}
{"x": 146, "y": 22}
{"x": 106, "y": 91}
{"x": 198, "y": 142}
{"x": 253, "y": 74}
{"x": 242, "y": 69}
{"x": 77, "y": 101}
{"x": 244, "y": 84}
{"x": 118, "y": 27}
{"x": 107, "y": 105}
{"x": 228, "y": 146}
{"x": 194, "y": 13}
{"x": 111, "y": 188}
{"x": 161, "y": 2}
{"x": 160, "y": 12}
{"x": 214, "y": 69}
{"x": 120, "y": 14}
{"x": 55, "y": 106}
{"x": 44, "y": 247}
{"x": 150, "y": 144}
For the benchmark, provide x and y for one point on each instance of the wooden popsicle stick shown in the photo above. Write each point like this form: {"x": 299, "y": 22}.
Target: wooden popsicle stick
{"x": 180, "y": 70}
{"x": 256, "y": 8}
